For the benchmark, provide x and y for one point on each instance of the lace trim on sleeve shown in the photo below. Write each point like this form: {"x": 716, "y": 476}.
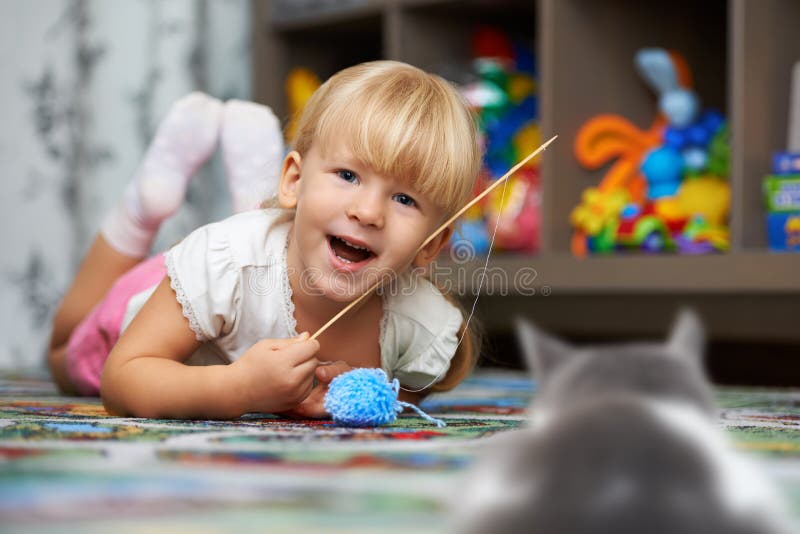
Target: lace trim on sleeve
{"x": 286, "y": 293}
{"x": 180, "y": 294}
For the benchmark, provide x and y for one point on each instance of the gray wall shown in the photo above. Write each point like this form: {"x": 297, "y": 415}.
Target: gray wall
{"x": 83, "y": 86}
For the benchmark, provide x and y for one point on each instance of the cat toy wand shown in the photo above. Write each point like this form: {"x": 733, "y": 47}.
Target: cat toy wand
{"x": 458, "y": 214}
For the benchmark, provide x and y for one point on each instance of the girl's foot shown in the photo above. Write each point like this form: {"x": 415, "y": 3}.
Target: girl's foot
{"x": 252, "y": 147}
{"x": 184, "y": 141}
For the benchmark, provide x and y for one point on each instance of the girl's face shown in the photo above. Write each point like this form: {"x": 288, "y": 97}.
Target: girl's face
{"x": 353, "y": 226}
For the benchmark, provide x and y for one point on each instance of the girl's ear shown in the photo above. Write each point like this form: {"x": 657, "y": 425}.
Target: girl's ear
{"x": 432, "y": 249}
{"x": 290, "y": 180}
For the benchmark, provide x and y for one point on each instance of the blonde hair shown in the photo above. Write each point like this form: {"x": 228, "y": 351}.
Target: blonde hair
{"x": 406, "y": 123}
{"x": 466, "y": 356}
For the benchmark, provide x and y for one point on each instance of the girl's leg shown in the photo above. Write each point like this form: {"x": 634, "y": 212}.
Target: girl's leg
{"x": 184, "y": 140}
{"x": 252, "y": 148}
{"x": 100, "y": 268}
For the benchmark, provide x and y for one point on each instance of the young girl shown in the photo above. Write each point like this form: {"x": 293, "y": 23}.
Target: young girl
{"x": 384, "y": 154}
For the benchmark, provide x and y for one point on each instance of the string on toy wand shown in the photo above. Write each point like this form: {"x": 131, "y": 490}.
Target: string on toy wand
{"x": 450, "y": 221}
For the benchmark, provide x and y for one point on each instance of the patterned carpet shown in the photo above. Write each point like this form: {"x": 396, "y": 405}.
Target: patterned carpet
{"x": 66, "y": 466}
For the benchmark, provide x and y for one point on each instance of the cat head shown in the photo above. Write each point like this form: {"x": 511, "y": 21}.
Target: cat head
{"x": 671, "y": 370}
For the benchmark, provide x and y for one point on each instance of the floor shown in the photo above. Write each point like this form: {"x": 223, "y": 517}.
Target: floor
{"x": 66, "y": 466}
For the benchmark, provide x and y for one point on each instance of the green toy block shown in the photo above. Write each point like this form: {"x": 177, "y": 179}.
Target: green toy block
{"x": 782, "y": 193}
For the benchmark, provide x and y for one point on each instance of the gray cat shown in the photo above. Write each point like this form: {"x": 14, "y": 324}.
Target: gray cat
{"x": 622, "y": 440}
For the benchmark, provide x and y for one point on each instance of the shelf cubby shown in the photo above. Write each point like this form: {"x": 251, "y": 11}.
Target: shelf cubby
{"x": 437, "y": 35}
{"x": 765, "y": 46}
{"x": 324, "y": 42}
{"x": 587, "y": 57}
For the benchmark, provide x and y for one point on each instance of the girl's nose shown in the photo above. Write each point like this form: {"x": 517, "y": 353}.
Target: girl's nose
{"x": 367, "y": 210}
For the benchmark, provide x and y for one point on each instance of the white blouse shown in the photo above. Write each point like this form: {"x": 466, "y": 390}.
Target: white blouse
{"x": 231, "y": 280}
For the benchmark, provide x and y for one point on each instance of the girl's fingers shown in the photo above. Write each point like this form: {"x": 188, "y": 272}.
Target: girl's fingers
{"x": 309, "y": 387}
{"x": 277, "y": 344}
{"x": 301, "y": 352}
{"x": 305, "y": 369}
{"x": 305, "y": 385}
{"x": 326, "y": 373}
{"x": 311, "y": 408}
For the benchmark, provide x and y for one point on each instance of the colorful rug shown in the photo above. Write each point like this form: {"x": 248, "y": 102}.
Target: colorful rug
{"x": 67, "y": 466}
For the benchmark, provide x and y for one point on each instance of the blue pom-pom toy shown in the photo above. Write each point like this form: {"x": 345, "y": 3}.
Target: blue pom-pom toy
{"x": 365, "y": 397}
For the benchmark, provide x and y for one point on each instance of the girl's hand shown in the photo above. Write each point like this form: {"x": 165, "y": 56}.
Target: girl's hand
{"x": 313, "y": 407}
{"x": 277, "y": 374}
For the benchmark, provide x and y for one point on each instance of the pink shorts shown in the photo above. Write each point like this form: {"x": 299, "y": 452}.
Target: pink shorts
{"x": 92, "y": 340}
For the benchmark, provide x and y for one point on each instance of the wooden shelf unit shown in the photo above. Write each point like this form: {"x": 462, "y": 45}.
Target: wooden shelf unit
{"x": 740, "y": 53}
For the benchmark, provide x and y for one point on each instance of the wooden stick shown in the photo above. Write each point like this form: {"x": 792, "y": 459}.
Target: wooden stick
{"x": 458, "y": 214}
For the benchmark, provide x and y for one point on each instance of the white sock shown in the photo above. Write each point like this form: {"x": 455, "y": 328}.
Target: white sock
{"x": 252, "y": 148}
{"x": 183, "y": 142}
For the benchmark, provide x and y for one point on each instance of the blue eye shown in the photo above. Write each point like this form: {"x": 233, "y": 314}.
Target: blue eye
{"x": 347, "y": 176}
{"x": 405, "y": 200}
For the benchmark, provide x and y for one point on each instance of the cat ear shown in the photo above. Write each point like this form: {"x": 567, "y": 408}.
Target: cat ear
{"x": 542, "y": 352}
{"x": 688, "y": 335}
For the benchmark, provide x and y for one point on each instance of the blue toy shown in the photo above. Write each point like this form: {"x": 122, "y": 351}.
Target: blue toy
{"x": 697, "y": 135}
{"x": 474, "y": 232}
{"x": 694, "y": 141}
{"x": 786, "y": 163}
{"x": 364, "y": 397}
{"x": 679, "y": 104}
{"x": 695, "y": 159}
{"x": 783, "y": 231}
{"x": 663, "y": 170}
{"x": 675, "y": 138}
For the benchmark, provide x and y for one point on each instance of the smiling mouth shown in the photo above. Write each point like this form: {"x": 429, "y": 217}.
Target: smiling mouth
{"x": 349, "y": 252}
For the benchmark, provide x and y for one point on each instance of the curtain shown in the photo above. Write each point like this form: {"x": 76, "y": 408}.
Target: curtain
{"x": 84, "y": 85}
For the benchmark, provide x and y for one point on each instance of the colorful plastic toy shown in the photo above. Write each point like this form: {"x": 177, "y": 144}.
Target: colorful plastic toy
{"x": 782, "y": 193}
{"x": 599, "y": 209}
{"x": 608, "y": 137}
{"x": 645, "y": 231}
{"x": 783, "y": 230}
{"x": 516, "y": 214}
{"x": 782, "y": 198}
{"x": 668, "y": 75}
{"x": 505, "y": 101}
{"x": 786, "y": 163}
{"x": 700, "y": 237}
{"x": 300, "y": 85}
{"x": 706, "y": 196}
{"x": 665, "y": 189}
{"x": 663, "y": 169}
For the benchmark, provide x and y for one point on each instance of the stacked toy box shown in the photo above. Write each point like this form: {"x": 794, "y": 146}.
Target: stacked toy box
{"x": 782, "y": 191}
{"x": 782, "y": 187}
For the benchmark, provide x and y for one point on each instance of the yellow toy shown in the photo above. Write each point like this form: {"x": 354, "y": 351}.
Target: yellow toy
{"x": 526, "y": 141}
{"x": 300, "y": 85}
{"x": 707, "y": 196}
{"x": 597, "y": 209}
